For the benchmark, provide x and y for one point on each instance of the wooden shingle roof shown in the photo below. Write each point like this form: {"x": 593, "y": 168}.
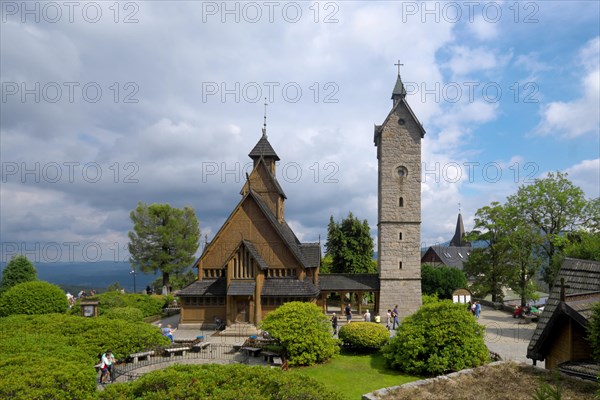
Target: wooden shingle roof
{"x": 349, "y": 282}
{"x": 581, "y": 278}
{"x": 205, "y": 287}
{"x": 288, "y": 287}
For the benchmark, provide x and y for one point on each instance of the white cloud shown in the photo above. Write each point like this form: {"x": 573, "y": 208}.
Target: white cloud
{"x": 572, "y": 119}
{"x": 586, "y": 175}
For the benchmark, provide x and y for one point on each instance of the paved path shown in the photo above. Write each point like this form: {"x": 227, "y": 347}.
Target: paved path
{"x": 507, "y": 336}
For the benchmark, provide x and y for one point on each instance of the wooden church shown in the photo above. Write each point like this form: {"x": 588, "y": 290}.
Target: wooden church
{"x": 255, "y": 262}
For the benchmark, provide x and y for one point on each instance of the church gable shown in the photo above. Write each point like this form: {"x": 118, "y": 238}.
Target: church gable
{"x": 248, "y": 224}
{"x": 264, "y": 184}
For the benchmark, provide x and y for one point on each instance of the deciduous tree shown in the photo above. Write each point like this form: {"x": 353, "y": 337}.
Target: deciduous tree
{"x": 163, "y": 239}
{"x": 554, "y": 206}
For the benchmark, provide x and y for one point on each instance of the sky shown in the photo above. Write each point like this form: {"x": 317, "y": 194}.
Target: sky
{"x": 106, "y": 104}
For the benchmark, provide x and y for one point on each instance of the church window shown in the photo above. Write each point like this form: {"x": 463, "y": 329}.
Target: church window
{"x": 399, "y": 235}
{"x": 401, "y": 202}
{"x": 460, "y": 255}
{"x": 399, "y": 264}
{"x": 401, "y": 121}
{"x": 402, "y": 171}
{"x": 243, "y": 264}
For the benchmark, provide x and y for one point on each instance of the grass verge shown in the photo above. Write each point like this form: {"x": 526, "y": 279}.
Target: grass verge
{"x": 353, "y": 375}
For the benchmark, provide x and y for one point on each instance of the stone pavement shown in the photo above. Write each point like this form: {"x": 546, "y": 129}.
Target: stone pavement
{"x": 507, "y": 336}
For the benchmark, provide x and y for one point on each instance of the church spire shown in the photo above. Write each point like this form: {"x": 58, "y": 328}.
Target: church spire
{"x": 399, "y": 91}
{"x": 264, "y": 129}
{"x": 458, "y": 240}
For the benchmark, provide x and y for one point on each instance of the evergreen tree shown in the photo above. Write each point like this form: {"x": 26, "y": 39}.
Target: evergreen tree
{"x": 163, "y": 239}
{"x": 18, "y": 270}
{"x": 350, "y": 246}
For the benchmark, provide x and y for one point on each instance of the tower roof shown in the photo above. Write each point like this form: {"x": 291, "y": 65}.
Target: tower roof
{"x": 458, "y": 239}
{"x": 399, "y": 90}
{"x": 263, "y": 148}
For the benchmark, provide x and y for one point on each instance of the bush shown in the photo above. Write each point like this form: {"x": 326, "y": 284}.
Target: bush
{"x": 303, "y": 331}
{"x": 593, "y": 330}
{"x": 18, "y": 270}
{"x": 442, "y": 280}
{"x": 148, "y": 305}
{"x": 224, "y": 382}
{"x": 52, "y": 356}
{"x": 126, "y": 313}
{"x": 364, "y": 336}
{"x": 35, "y": 297}
{"x": 439, "y": 338}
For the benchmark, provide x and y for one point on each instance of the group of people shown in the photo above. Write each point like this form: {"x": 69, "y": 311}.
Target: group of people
{"x": 391, "y": 318}
{"x": 82, "y": 294}
{"x": 474, "y": 308}
{"x": 106, "y": 367}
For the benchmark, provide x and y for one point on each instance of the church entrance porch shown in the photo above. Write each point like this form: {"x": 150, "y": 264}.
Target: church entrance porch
{"x": 242, "y": 310}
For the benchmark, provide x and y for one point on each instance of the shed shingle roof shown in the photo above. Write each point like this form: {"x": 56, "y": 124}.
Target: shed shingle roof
{"x": 288, "y": 287}
{"x": 350, "y": 282}
{"x": 581, "y": 277}
{"x": 311, "y": 253}
{"x": 241, "y": 288}
{"x": 205, "y": 287}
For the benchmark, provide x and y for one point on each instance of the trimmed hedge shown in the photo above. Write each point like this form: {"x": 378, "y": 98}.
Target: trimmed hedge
{"x": 127, "y": 313}
{"x": 148, "y": 304}
{"x": 52, "y": 356}
{"x": 440, "y": 337}
{"x": 364, "y": 336}
{"x": 303, "y": 331}
{"x": 34, "y": 297}
{"x": 223, "y": 382}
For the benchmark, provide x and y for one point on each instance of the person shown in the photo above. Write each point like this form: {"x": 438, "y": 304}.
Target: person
{"x": 388, "y": 319}
{"x": 367, "y": 316}
{"x": 396, "y": 323}
{"x": 168, "y": 332}
{"x": 469, "y": 306}
{"x": 108, "y": 359}
{"x": 477, "y": 309}
{"x": 377, "y": 318}
{"x": 348, "y": 312}
{"x": 148, "y": 290}
{"x": 334, "y": 323}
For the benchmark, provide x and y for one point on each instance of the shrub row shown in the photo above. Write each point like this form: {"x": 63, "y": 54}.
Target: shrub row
{"x": 148, "y": 304}
{"x": 223, "y": 382}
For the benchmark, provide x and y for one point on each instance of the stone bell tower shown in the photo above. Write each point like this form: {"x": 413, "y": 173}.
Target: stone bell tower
{"x": 398, "y": 142}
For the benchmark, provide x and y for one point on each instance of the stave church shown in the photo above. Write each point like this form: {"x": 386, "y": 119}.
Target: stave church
{"x": 255, "y": 262}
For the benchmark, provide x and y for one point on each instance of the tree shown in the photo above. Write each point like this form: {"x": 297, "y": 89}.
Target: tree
{"x": 18, "y": 270}
{"x": 440, "y": 337}
{"x": 34, "y": 297}
{"x": 584, "y": 245}
{"x": 303, "y": 331}
{"x": 441, "y": 281}
{"x": 489, "y": 266}
{"x": 350, "y": 246}
{"x": 593, "y": 332}
{"x": 163, "y": 239}
{"x": 554, "y": 206}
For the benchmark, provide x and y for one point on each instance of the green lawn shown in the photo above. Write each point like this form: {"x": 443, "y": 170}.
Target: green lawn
{"x": 354, "y": 375}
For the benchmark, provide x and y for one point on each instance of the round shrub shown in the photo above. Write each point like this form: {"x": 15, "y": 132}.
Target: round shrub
{"x": 440, "y": 337}
{"x": 364, "y": 336}
{"x": 126, "y": 313}
{"x": 35, "y": 297}
{"x": 303, "y": 331}
{"x": 227, "y": 382}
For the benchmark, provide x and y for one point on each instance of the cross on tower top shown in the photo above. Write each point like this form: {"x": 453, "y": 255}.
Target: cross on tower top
{"x": 459, "y": 207}
{"x": 399, "y": 65}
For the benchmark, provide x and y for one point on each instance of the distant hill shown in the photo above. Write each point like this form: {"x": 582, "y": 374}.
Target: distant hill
{"x": 75, "y": 276}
